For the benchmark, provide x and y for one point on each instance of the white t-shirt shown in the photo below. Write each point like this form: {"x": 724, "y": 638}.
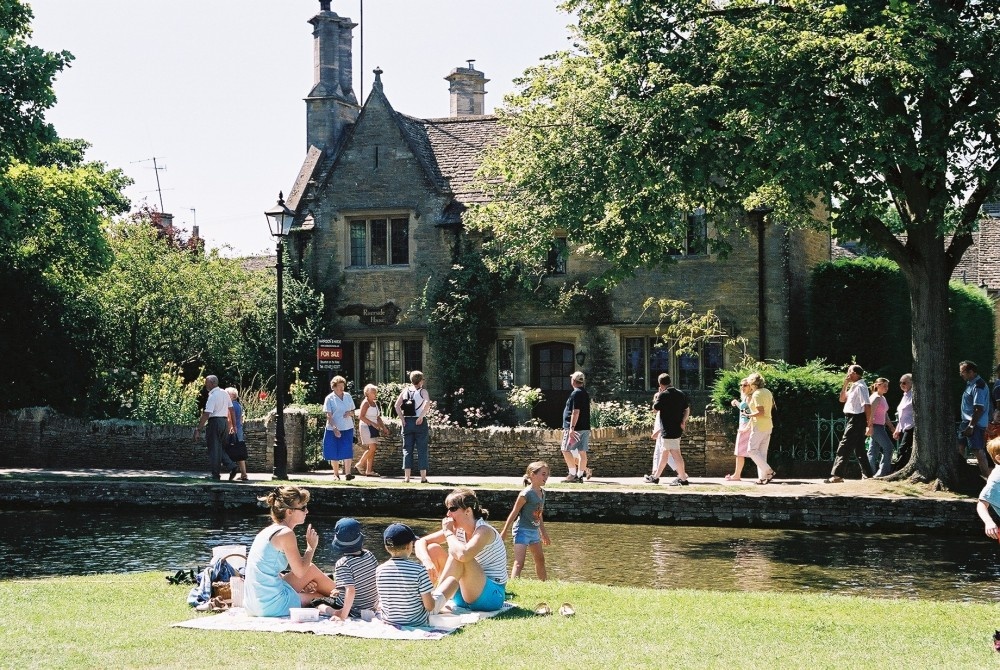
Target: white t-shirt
{"x": 218, "y": 403}
{"x": 857, "y": 398}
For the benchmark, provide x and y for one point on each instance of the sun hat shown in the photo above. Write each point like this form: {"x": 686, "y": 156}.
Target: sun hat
{"x": 398, "y": 535}
{"x": 347, "y": 536}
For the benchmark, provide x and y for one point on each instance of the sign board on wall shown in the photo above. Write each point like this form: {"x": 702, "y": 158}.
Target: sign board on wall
{"x": 329, "y": 355}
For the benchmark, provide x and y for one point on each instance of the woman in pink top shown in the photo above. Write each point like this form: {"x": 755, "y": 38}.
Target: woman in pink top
{"x": 880, "y": 430}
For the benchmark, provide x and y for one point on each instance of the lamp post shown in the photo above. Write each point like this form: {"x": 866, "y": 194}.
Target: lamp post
{"x": 279, "y": 221}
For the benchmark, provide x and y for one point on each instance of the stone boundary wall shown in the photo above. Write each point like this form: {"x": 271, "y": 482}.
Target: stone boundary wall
{"x": 42, "y": 438}
{"x": 817, "y": 512}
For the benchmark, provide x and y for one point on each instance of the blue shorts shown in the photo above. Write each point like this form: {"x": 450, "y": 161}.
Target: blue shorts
{"x": 527, "y": 535}
{"x": 974, "y": 442}
{"x": 580, "y": 445}
{"x": 490, "y": 599}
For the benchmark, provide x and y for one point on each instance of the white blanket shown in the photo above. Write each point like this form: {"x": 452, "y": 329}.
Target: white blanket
{"x": 440, "y": 624}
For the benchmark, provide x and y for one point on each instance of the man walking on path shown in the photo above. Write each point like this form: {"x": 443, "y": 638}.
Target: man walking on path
{"x": 576, "y": 429}
{"x": 857, "y": 411}
{"x": 674, "y": 409}
{"x": 904, "y": 423}
{"x": 975, "y": 400}
{"x": 215, "y": 421}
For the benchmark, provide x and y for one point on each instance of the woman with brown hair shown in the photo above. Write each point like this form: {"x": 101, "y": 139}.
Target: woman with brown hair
{"x": 267, "y": 592}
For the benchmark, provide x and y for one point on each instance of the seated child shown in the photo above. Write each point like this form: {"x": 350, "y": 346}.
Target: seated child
{"x": 990, "y": 494}
{"x": 354, "y": 572}
{"x": 404, "y": 588}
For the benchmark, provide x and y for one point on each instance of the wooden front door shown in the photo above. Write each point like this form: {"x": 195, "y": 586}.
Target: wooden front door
{"x": 551, "y": 366}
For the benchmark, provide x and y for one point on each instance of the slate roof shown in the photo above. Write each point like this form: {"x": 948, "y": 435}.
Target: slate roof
{"x": 456, "y": 147}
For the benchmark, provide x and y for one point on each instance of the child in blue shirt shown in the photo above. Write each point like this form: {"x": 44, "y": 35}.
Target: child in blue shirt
{"x": 354, "y": 572}
{"x": 404, "y": 587}
{"x": 990, "y": 495}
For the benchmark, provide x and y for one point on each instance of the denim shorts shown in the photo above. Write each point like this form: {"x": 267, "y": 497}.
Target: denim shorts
{"x": 490, "y": 599}
{"x": 527, "y": 535}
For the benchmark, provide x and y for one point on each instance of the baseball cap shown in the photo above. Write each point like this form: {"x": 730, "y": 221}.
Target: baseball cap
{"x": 398, "y": 535}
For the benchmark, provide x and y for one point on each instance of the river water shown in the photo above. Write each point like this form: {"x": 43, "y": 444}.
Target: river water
{"x": 38, "y": 543}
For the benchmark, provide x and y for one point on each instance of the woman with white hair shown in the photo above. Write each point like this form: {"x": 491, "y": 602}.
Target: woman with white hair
{"x": 370, "y": 427}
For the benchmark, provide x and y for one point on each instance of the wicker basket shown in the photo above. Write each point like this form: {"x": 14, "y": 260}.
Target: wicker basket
{"x": 224, "y": 589}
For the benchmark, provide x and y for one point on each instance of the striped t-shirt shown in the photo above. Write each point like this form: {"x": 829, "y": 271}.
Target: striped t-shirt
{"x": 401, "y": 582}
{"x": 357, "y": 570}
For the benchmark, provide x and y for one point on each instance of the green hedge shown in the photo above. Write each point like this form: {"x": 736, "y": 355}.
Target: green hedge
{"x": 860, "y": 312}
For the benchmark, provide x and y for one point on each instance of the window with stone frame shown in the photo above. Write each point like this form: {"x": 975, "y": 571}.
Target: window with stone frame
{"x": 645, "y": 358}
{"x": 505, "y": 364}
{"x": 558, "y": 254}
{"x": 379, "y": 241}
{"x": 695, "y": 241}
{"x": 381, "y": 360}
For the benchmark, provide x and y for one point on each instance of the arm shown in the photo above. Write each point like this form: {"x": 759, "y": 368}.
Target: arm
{"x": 428, "y": 601}
{"x": 364, "y": 412}
{"x": 467, "y": 551}
{"x": 232, "y": 420}
{"x": 284, "y": 541}
{"x": 424, "y": 406}
{"x": 684, "y": 421}
{"x": 541, "y": 530}
{"x": 420, "y": 550}
{"x": 201, "y": 424}
{"x": 345, "y": 611}
{"x": 398, "y": 406}
{"x": 843, "y": 389}
{"x": 509, "y": 523}
{"x": 573, "y": 418}
{"x": 983, "y": 509}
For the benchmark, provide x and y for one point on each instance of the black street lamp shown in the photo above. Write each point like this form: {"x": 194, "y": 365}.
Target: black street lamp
{"x": 279, "y": 221}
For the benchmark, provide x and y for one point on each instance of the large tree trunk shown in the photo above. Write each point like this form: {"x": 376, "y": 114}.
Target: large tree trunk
{"x": 935, "y": 456}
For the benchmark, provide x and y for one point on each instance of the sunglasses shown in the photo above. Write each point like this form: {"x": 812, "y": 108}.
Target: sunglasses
{"x": 301, "y": 509}
{"x": 453, "y": 508}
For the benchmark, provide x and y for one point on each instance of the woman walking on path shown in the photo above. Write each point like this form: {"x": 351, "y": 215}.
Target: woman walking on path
{"x": 237, "y": 445}
{"x": 338, "y": 439}
{"x": 411, "y": 407}
{"x": 467, "y": 558}
{"x": 527, "y": 522}
{"x": 743, "y": 432}
{"x": 268, "y": 592}
{"x": 760, "y": 411}
{"x": 370, "y": 428}
{"x": 904, "y": 422}
{"x": 879, "y": 429}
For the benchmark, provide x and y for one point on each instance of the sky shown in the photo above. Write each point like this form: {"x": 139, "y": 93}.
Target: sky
{"x": 213, "y": 89}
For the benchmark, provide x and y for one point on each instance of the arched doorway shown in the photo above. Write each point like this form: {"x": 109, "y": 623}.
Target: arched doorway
{"x": 551, "y": 366}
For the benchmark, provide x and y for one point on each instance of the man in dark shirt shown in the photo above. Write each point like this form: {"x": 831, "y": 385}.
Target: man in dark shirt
{"x": 674, "y": 409}
{"x": 576, "y": 430}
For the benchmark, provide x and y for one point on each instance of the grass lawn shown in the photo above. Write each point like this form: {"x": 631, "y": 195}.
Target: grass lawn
{"x": 123, "y": 621}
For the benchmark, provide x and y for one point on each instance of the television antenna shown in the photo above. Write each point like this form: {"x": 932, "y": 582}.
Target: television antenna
{"x": 156, "y": 171}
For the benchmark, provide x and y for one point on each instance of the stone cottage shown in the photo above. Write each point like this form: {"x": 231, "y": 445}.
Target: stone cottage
{"x": 379, "y": 203}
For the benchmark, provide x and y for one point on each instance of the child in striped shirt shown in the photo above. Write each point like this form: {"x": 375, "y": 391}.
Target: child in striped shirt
{"x": 354, "y": 572}
{"x": 404, "y": 587}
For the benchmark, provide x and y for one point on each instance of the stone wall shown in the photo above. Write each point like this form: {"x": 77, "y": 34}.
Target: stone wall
{"x": 42, "y": 438}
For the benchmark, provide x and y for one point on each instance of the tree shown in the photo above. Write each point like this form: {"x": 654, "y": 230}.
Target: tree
{"x": 857, "y": 107}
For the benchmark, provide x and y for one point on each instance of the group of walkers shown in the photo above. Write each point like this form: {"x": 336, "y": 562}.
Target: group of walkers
{"x": 464, "y": 563}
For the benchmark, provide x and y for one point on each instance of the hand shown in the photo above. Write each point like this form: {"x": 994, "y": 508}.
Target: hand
{"x": 448, "y": 525}
{"x": 546, "y": 541}
{"x": 991, "y": 531}
{"x": 967, "y": 431}
{"x": 735, "y": 403}
{"x": 336, "y": 432}
{"x": 312, "y": 538}
{"x": 348, "y": 413}
{"x": 194, "y": 437}
{"x": 504, "y": 534}
{"x": 419, "y": 420}
{"x": 868, "y": 431}
{"x": 896, "y": 435}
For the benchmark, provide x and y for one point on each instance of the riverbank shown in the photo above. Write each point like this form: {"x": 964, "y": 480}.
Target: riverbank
{"x": 123, "y": 621}
{"x": 790, "y": 503}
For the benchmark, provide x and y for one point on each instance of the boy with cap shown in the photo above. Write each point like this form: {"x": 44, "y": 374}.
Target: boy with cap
{"x": 354, "y": 572}
{"x": 404, "y": 587}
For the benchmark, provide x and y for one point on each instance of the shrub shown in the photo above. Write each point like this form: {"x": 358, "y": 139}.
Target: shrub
{"x": 165, "y": 399}
{"x": 620, "y": 414}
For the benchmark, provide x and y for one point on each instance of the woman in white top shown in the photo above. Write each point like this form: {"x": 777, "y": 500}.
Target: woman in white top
{"x": 370, "y": 428}
{"x": 467, "y": 558}
{"x": 338, "y": 439}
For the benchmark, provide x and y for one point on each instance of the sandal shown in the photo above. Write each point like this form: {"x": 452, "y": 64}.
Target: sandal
{"x": 768, "y": 478}
{"x": 542, "y": 609}
{"x": 566, "y": 609}
{"x": 730, "y": 478}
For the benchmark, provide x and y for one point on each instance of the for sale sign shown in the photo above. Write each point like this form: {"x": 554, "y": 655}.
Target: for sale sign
{"x": 329, "y": 355}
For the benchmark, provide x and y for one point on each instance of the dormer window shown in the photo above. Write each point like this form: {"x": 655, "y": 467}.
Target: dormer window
{"x": 380, "y": 241}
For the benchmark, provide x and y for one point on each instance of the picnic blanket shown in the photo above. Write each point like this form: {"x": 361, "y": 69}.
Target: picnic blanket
{"x": 440, "y": 624}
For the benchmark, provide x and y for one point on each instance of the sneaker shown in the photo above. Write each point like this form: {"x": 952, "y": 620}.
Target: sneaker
{"x": 349, "y": 476}
{"x": 679, "y": 482}
{"x": 439, "y": 602}
{"x": 650, "y": 479}
{"x": 570, "y": 478}
{"x": 579, "y": 479}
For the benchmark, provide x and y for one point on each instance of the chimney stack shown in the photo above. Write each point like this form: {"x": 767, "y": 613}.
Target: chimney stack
{"x": 467, "y": 89}
{"x": 331, "y": 104}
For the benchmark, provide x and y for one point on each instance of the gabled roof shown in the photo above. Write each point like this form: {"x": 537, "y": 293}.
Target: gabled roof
{"x": 306, "y": 174}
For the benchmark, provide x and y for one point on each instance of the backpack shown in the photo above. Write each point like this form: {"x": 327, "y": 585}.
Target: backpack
{"x": 409, "y": 406}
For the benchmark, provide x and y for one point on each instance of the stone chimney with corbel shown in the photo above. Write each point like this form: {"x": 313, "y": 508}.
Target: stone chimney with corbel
{"x": 331, "y": 105}
{"x": 468, "y": 90}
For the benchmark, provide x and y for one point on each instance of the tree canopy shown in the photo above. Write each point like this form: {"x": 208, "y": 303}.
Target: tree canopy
{"x": 860, "y": 107}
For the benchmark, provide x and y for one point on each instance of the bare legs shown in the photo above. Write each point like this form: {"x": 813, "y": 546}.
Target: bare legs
{"x": 738, "y": 472}
{"x": 520, "y": 551}
{"x": 367, "y": 462}
{"x": 451, "y": 575}
{"x": 314, "y": 584}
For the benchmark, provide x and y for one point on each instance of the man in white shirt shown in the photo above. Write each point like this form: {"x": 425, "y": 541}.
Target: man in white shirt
{"x": 857, "y": 412}
{"x": 216, "y": 421}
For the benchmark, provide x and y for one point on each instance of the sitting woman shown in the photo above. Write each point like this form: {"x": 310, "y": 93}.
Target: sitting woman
{"x": 267, "y": 592}
{"x": 467, "y": 558}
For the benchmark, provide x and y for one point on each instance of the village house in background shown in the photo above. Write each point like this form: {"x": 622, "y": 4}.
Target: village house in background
{"x": 379, "y": 205}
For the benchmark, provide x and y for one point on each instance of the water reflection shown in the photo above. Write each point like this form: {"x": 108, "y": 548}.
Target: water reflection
{"x": 44, "y": 542}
